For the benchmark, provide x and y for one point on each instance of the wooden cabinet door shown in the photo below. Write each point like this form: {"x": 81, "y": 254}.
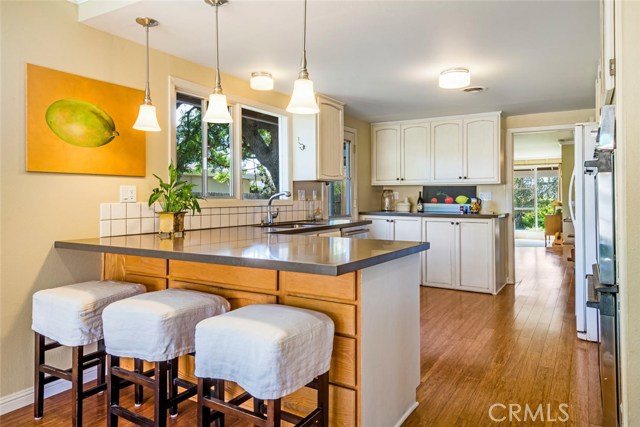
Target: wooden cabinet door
{"x": 440, "y": 259}
{"x": 475, "y": 253}
{"x": 331, "y": 139}
{"x": 385, "y": 153}
{"x": 446, "y": 151}
{"x": 379, "y": 228}
{"x": 414, "y": 154}
{"x": 407, "y": 229}
{"x": 482, "y": 150}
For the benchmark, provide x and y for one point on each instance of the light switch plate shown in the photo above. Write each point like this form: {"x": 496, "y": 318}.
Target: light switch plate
{"x": 485, "y": 195}
{"x": 127, "y": 194}
{"x": 396, "y": 195}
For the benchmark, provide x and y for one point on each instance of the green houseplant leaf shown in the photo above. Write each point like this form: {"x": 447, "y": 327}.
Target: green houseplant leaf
{"x": 175, "y": 195}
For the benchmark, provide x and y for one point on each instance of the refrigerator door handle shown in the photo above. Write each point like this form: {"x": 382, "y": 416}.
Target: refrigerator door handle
{"x": 571, "y": 183}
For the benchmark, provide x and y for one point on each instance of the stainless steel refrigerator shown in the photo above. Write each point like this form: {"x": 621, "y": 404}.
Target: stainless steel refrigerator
{"x": 583, "y": 216}
{"x": 603, "y": 284}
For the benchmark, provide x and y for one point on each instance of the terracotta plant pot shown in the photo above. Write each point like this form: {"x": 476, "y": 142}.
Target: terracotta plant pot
{"x": 171, "y": 224}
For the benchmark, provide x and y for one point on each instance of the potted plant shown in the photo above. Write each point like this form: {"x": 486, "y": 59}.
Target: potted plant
{"x": 175, "y": 198}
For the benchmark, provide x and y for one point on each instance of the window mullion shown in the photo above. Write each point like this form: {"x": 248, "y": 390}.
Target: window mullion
{"x": 205, "y": 149}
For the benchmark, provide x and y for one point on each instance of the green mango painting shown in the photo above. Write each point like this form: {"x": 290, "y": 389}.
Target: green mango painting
{"x": 80, "y": 123}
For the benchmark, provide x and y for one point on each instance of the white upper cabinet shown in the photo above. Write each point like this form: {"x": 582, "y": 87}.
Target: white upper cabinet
{"x": 455, "y": 150}
{"x": 318, "y": 143}
{"x": 414, "y": 153}
{"x": 482, "y": 150}
{"x": 447, "y": 151}
{"x": 385, "y": 167}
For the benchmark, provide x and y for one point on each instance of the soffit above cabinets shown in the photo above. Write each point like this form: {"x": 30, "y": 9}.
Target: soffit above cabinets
{"x": 383, "y": 58}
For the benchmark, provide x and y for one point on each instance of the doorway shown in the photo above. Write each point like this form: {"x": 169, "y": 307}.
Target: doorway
{"x": 342, "y": 194}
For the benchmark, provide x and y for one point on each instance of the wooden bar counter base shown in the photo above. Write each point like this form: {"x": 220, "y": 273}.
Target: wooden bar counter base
{"x": 375, "y": 366}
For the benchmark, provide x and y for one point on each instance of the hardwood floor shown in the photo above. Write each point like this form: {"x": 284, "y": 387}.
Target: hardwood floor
{"x": 519, "y": 347}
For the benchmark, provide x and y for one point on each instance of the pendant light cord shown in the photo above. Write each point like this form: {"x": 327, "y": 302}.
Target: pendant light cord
{"x": 147, "y": 92}
{"x": 304, "y": 74}
{"x": 218, "y": 88}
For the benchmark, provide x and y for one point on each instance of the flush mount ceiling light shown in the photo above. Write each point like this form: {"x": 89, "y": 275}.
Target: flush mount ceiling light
{"x": 218, "y": 111}
{"x": 454, "y": 78}
{"x": 303, "y": 99}
{"x": 147, "y": 120}
{"x": 261, "y": 80}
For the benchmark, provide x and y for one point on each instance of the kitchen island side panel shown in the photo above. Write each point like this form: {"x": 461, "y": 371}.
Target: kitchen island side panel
{"x": 390, "y": 341}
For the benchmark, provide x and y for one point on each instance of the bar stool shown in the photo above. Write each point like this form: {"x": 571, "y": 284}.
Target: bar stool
{"x": 157, "y": 327}
{"x": 71, "y": 316}
{"x": 270, "y": 351}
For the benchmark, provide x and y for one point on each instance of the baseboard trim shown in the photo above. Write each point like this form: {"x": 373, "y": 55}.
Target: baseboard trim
{"x": 406, "y": 414}
{"x": 23, "y": 398}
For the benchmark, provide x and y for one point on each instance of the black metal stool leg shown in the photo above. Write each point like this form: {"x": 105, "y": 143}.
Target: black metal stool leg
{"x": 102, "y": 373}
{"x": 274, "y": 413}
{"x": 113, "y": 390}
{"x": 38, "y": 404}
{"x": 77, "y": 385}
{"x": 323, "y": 398}
{"x": 160, "y": 394}
{"x": 173, "y": 387}
{"x": 138, "y": 366}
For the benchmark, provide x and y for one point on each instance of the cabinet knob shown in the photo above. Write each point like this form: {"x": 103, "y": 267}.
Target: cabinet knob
{"x": 451, "y": 222}
{"x": 457, "y": 223}
{"x": 459, "y": 177}
{"x": 397, "y": 179}
{"x": 465, "y": 177}
{"x": 401, "y": 179}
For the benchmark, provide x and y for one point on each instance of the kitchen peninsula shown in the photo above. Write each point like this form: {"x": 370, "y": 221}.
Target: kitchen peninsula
{"x": 370, "y": 288}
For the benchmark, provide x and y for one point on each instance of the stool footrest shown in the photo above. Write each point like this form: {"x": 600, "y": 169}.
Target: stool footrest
{"x": 238, "y": 412}
{"x": 180, "y": 397}
{"x": 240, "y": 399}
{"x": 94, "y": 390}
{"x": 132, "y": 377}
{"x": 307, "y": 421}
{"x": 52, "y": 345}
{"x": 63, "y": 374}
{"x": 131, "y": 416}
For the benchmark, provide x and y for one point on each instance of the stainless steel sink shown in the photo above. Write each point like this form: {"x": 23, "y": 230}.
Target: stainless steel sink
{"x": 291, "y": 225}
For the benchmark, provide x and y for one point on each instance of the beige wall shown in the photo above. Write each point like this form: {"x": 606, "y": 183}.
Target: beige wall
{"x": 627, "y": 201}
{"x": 368, "y": 195}
{"x": 549, "y": 119}
{"x": 566, "y": 168}
{"x": 38, "y": 208}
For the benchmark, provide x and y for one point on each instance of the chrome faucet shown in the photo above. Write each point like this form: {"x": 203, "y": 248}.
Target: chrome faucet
{"x": 273, "y": 215}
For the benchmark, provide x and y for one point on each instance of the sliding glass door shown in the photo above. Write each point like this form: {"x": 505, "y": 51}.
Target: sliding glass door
{"x": 535, "y": 189}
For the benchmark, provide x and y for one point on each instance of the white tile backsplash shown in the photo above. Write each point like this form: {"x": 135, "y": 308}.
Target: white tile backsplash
{"x": 118, "y": 210}
{"x": 105, "y": 228}
{"x": 133, "y": 226}
{"x": 105, "y": 211}
{"x": 117, "y": 219}
{"x": 118, "y": 227}
{"x": 133, "y": 210}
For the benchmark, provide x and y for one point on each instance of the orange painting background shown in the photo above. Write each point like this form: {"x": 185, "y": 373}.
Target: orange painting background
{"x": 46, "y": 152}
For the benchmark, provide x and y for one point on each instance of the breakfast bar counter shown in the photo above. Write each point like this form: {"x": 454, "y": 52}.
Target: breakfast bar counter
{"x": 369, "y": 288}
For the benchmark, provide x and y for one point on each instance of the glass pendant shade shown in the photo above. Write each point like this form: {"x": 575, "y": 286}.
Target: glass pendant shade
{"x": 454, "y": 78}
{"x": 218, "y": 111}
{"x": 303, "y": 100}
{"x": 147, "y": 120}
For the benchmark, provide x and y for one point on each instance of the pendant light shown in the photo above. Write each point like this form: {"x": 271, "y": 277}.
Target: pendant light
{"x": 218, "y": 111}
{"x": 147, "y": 120}
{"x": 303, "y": 100}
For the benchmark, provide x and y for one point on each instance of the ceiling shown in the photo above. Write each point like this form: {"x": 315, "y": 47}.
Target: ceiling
{"x": 382, "y": 58}
{"x": 540, "y": 145}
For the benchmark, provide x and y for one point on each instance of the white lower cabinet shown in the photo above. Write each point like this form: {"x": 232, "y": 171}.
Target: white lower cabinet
{"x": 464, "y": 254}
{"x": 394, "y": 228}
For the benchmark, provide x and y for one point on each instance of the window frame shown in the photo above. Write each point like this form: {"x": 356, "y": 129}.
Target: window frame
{"x": 236, "y": 103}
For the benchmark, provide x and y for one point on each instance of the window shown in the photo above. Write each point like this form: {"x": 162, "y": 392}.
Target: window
{"x": 260, "y": 154}
{"x": 247, "y": 159}
{"x": 203, "y": 150}
{"x": 534, "y": 192}
{"x": 341, "y": 197}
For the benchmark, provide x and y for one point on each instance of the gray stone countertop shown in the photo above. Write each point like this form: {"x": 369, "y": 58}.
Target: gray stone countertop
{"x": 251, "y": 246}
{"x": 437, "y": 215}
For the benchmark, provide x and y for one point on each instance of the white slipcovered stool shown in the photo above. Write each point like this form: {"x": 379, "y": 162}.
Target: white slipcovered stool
{"x": 72, "y": 316}
{"x": 157, "y": 327}
{"x": 270, "y": 351}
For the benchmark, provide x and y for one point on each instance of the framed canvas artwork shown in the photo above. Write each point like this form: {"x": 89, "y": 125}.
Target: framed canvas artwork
{"x": 81, "y": 125}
